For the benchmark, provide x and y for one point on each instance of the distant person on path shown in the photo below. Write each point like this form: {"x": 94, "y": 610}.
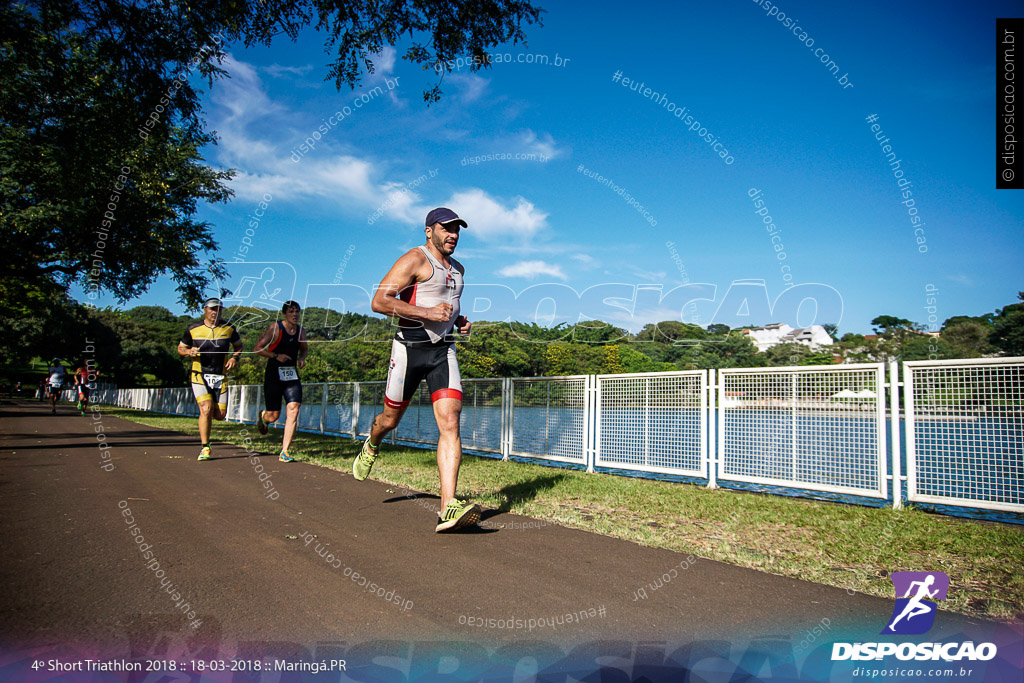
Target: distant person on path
{"x": 208, "y": 342}
{"x": 422, "y": 290}
{"x": 55, "y": 383}
{"x": 82, "y": 383}
{"x": 285, "y": 348}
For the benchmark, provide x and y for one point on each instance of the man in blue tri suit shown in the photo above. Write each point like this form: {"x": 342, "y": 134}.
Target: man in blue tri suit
{"x": 284, "y": 346}
{"x": 422, "y": 290}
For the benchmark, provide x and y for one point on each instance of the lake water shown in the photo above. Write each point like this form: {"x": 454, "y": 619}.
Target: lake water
{"x": 971, "y": 458}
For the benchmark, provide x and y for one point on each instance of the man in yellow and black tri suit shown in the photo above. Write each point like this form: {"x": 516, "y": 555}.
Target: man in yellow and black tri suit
{"x": 208, "y": 343}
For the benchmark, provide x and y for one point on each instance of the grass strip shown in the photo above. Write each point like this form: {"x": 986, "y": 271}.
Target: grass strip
{"x": 846, "y": 546}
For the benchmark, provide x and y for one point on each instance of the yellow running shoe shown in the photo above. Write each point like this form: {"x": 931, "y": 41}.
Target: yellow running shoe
{"x": 364, "y": 461}
{"x": 204, "y": 454}
{"x": 458, "y": 515}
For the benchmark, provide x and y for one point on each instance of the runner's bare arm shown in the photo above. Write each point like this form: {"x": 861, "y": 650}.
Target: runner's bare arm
{"x": 190, "y": 351}
{"x": 303, "y": 349}
{"x": 462, "y": 324}
{"x": 404, "y": 274}
{"x": 266, "y": 339}
{"x": 233, "y": 360}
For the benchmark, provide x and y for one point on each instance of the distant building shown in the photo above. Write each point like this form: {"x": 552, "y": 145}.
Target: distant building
{"x": 768, "y": 336}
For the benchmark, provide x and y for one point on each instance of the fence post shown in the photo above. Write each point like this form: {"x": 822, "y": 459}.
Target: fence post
{"x": 908, "y": 426}
{"x": 243, "y": 403}
{"x": 590, "y": 421}
{"x": 506, "y": 417}
{"x": 323, "y": 409}
{"x": 355, "y": 410}
{"x": 647, "y": 421}
{"x": 711, "y": 425}
{"x": 894, "y": 402}
{"x": 792, "y": 473}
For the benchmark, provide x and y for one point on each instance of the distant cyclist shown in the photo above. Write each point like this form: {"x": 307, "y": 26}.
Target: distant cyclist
{"x": 284, "y": 346}
{"x": 208, "y": 343}
{"x": 55, "y": 383}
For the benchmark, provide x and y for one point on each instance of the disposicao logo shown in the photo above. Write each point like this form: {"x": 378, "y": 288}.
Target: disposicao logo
{"x": 914, "y": 613}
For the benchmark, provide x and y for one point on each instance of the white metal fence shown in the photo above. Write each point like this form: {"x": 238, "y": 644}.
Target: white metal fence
{"x": 653, "y": 422}
{"x": 832, "y": 429}
{"x": 817, "y": 427}
{"x": 348, "y": 408}
{"x": 548, "y": 418}
{"x": 965, "y": 432}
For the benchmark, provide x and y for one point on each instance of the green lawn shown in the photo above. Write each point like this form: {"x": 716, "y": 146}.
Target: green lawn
{"x": 847, "y": 546}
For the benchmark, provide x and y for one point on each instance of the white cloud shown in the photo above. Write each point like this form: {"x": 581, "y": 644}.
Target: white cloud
{"x": 277, "y": 71}
{"x": 471, "y": 87}
{"x": 242, "y": 93}
{"x": 384, "y": 61}
{"x": 258, "y": 137}
{"x": 655, "y": 276}
{"x": 542, "y": 147}
{"x": 532, "y": 270}
{"x": 961, "y": 279}
{"x": 264, "y": 168}
{"x": 489, "y": 220}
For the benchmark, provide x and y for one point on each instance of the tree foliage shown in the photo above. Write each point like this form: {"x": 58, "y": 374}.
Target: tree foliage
{"x": 101, "y": 126}
{"x": 84, "y": 198}
{"x": 886, "y": 324}
{"x": 1008, "y": 332}
{"x": 137, "y": 346}
{"x": 968, "y": 339}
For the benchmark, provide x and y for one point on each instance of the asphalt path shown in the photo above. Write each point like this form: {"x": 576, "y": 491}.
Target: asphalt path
{"x": 266, "y": 571}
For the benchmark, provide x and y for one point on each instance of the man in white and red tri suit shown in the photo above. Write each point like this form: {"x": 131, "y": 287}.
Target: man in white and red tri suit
{"x": 422, "y": 290}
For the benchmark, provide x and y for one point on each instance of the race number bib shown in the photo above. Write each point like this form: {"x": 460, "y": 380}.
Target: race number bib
{"x": 213, "y": 381}
{"x": 287, "y": 374}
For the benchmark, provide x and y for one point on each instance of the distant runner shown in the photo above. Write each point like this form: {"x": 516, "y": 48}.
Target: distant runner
{"x": 284, "y": 345}
{"x": 55, "y": 383}
{"x": 82, "y": 383}
{"x": 422, "y": 290}
{"x": 208, "y": 342}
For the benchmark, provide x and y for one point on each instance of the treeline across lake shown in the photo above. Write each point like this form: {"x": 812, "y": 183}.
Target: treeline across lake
{"x": 137, "y": 346}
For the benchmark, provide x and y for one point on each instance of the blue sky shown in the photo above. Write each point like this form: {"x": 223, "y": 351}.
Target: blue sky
{"x": 357, "y": 200}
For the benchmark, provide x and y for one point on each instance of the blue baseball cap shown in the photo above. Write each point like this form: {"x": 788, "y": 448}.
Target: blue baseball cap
{"x": 444, "y": 217}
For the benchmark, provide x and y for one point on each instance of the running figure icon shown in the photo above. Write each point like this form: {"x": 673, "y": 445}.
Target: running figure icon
{"x": 918, "y": 595}
{"x": 915, "y": 607}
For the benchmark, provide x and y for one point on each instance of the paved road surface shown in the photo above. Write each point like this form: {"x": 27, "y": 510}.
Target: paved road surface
{"x": 72, "y": 573}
